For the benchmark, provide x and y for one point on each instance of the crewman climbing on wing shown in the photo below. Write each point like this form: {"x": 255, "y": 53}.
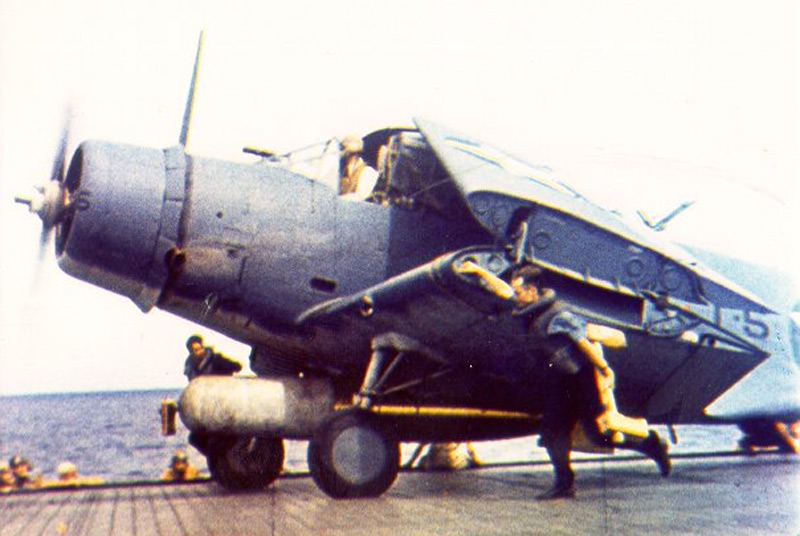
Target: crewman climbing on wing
{"x": 203, "y": 360}
{"x": 575, "y": 367}
{"x": 179, "y": 468}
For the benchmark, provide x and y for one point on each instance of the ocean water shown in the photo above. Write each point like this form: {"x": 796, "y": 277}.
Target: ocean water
{"x": 117, "y": 436}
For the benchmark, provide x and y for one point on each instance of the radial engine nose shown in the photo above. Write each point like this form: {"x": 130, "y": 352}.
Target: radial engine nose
{"x": 125, "y": 206}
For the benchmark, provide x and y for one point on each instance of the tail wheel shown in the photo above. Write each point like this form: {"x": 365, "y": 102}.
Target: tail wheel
{"x": 245, "y": 463}
{"x": 350, "y": 456}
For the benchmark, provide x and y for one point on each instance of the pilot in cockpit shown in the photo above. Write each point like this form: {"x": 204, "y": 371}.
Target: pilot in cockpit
{"x": 356, "y": 178}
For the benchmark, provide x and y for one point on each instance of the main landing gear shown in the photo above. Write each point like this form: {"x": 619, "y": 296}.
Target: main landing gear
{"x": 351, "y": 456}
{"x": 353, "y": 453}
{"x": 245, "y": 463}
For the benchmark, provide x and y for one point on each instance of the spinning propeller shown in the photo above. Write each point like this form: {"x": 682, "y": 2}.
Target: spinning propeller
{"x": 51, "y": 203}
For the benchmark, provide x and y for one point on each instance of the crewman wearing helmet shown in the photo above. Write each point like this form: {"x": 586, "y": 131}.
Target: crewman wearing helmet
{"x": 356, "y": 178}
{"x": 21, "y": 469}
{"x": 179, "y": 468}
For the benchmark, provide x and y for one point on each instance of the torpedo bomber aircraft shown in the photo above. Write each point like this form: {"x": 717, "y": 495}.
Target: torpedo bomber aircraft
{"x": 365, "y": 332}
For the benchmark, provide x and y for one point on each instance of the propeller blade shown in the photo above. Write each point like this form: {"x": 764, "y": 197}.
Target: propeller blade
{"x": 60, "y": 158}
{"x": 183, "y": 139}
{"x": 45, "y": 237}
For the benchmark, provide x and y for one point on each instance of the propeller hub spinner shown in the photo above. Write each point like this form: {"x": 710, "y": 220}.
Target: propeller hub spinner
{"x": 49, "y": 204}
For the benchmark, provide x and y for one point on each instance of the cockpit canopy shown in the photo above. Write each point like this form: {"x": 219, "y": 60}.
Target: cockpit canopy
{"x": 318, "y": 162}
{"x": 409, "y": 173}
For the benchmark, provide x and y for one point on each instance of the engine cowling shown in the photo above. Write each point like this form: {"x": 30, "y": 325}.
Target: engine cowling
{"x": 125, "y": 217}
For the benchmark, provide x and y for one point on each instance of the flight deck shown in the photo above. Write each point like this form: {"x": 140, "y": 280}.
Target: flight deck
{"x": 721, "y": 493}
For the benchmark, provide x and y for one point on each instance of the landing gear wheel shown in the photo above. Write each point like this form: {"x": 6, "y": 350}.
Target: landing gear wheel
{"x": 351, "y": 457}
{"x": 245, "y": 463}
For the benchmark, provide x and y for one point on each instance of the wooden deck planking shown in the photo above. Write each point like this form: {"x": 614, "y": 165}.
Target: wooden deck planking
{"x": 196, "y": 514}
{"x": 710, "y": 496}
{"x": 82, "y": 516}
{"x": 16, "y": 517}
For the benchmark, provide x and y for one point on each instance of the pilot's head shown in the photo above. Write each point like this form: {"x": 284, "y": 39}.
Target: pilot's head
{"x": 195, "y": 344}
{"x": 525, "y": 282}
{"x": 350, "y": 145}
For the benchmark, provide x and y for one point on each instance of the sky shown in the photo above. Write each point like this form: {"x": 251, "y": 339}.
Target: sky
{"x": 643, "y": 104}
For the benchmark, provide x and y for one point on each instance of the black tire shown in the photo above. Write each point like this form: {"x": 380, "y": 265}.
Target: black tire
{"x": 351, "y": 457}
{"x": 245, "y": 463}
{"x": 199, "y": 441}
